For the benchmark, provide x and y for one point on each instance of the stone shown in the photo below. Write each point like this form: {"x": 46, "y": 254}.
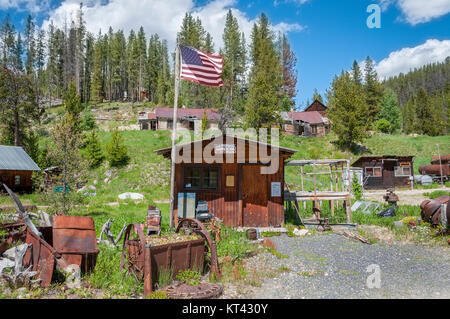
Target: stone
{"x": 73, "y": 275}
{"x": 108, "y": 173}
{"x": 133, "y": 196}
{"x": 399, "y": 224}
{"x": 301, "y": 232}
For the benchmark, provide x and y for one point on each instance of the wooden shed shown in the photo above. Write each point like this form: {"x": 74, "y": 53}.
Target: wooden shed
{"x": 231, "y": 180}
{"x": 383, "y": 172}
{"x": 16, "y": 169}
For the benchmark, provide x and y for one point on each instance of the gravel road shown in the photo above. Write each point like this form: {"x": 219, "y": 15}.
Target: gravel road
{"x": 332, "y": 266}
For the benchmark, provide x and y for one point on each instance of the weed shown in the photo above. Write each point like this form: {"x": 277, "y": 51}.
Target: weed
{"x": 276, "y": 253}
{"x": 165, "y": 277}
{"x": 158, "y": 295}
{"x": 190, "y": 277}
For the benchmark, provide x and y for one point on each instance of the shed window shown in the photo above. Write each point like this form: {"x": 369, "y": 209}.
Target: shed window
{"x": 201, "y": 178}
{"x": 17, "y": 180}
{"x": 170, "y": 124}
{"x": 374, "y": 171}
{"x": 403, "y": 171}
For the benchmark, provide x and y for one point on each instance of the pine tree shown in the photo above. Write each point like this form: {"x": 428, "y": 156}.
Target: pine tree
{"x": 390, "y": 110}
{"x": 356, "y": 73}
{"x": 427, "y": 119}
{"x": 97, "y": 73}
{"x": 93, "y": 150}
{"x": 265, "y": 83}
{"x": 317, "y": 96}
{"x": 373, "y": 90}
{"x": 347, "y": 110}
{"x": 288, "y": 63}
{"x": 117, "y": 152}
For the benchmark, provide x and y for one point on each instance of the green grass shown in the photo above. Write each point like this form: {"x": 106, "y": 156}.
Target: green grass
{"x": 437, "y": 194}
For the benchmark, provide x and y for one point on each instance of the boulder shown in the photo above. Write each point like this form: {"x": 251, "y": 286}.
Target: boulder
{"x": 301, "y": 232}
{"x": 133, "y": 196}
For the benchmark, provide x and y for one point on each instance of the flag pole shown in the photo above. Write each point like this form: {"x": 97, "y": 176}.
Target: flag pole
{"x": 174, "y": 132}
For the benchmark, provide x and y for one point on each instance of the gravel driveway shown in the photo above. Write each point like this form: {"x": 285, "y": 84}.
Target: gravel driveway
{"x": 332, "y": 266}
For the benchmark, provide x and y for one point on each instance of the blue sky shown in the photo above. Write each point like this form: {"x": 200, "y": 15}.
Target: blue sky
{"x": 325, "y": 35}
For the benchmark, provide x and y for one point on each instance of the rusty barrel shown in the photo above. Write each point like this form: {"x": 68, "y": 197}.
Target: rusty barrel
{"x": 431, "y": 210}
{"x": 75, "y": 239}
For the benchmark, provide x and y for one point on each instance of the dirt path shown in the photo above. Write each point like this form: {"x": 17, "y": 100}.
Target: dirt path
{"x": 331, "y": 266}
{"x": 407, "y": 197}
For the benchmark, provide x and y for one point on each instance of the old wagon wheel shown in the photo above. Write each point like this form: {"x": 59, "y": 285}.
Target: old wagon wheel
{"x": 133, "y": 251}
{"x": 197, "y": 227}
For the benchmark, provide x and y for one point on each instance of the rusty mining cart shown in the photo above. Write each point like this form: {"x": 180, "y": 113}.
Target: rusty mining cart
{"x": 70, "y": 241}
{"x": 146, "y": 262}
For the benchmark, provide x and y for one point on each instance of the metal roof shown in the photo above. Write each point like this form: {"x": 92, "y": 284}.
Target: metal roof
{"x": 16, "y": 159}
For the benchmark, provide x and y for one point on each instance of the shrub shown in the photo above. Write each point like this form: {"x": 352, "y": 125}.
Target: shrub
{"x": 93, "y": 150}
{"x": 117, "y": 152}
{"x": 357, "y": 188}
{"x": 383, "y": 126}
{"x": 190, "y": 277}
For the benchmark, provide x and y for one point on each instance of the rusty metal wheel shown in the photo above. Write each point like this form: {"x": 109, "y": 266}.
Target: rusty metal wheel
{"x": 133, "y": 251}
{"x": 202, "y": 291}
{"x": 194, "y": 225}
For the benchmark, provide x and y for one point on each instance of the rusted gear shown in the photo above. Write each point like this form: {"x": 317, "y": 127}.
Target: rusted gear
{"x": 133, "y": 251}
{"x": 197, "y": 227}
{"x": 202, "y": 291}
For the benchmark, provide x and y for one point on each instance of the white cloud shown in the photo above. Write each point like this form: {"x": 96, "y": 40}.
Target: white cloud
{"x": 296, "y": 2}
{"x": 419, "y": 11}
{"x": 32, "y": 6}
{"x": 162, "y": 17}
{"x": 404, "y": 60}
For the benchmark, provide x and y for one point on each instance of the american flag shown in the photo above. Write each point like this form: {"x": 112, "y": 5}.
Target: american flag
{"x": 200, "y": 67}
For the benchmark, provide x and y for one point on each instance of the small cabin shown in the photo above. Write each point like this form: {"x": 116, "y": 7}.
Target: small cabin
{"x": 383, "y": 172}
{"x": 306, "y": 124}
{"x": 162, "y": 118}
{"x": 231, "y": 179}
{"x": 16, "y": 169}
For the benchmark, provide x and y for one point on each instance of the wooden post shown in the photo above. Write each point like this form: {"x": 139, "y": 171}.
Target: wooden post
{"x": 331, "y": 190}
{"x": 349, "y": 200}
{"x": 303, "y": 186}
{"x": 174, "y": 134}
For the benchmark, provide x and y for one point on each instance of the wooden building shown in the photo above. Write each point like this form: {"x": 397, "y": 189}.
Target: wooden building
{"x": 162, "y": 118}
{"x": 317, "y": 106}
{"x": 383, "y": 172}
{"x": 236, "y": 190}
{"x": 307, "y": 124}
{"x": 16, "y": 169}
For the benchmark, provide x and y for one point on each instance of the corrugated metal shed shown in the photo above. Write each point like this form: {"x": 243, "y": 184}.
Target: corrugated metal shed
{"x": 16, "y": 159}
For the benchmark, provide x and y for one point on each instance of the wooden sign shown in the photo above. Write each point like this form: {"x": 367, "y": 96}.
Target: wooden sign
{"x": 225, "y": 149}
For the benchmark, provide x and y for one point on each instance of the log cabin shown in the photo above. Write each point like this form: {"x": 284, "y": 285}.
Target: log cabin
{"x": 383, "y": 172}
{"x": 16, "y": 169}
{"x": 231, "y": 181}
{"x": 317, "y": 106}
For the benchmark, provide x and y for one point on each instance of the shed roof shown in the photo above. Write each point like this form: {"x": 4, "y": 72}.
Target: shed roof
{"x": 362, "y": 159}
{"x": 167, "y": 152}
{"x": 313, "y": 117}
{"x": 167, "y": 112}
{"x": 16, "y": 159}
{"x": 316, "y": 103}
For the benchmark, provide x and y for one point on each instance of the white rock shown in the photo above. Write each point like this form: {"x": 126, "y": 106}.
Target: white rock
{"x": 108, "y": 173}
{"x": 134, "y": 196}
{"x": 301, "y": 232}
{"x": 73, "y": 276}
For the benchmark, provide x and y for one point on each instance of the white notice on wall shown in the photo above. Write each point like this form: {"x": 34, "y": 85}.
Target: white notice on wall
{"x": 276, "y": 189}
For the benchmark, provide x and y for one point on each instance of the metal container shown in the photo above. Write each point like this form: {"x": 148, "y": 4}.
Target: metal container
{"x": 76, "y": 240}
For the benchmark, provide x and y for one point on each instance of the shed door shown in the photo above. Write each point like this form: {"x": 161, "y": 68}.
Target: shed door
{"x": 254, "y": 197}
{"x": 388, "y": 174}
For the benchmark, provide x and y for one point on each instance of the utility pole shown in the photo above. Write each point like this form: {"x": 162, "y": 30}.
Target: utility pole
{"x": 174, "y": 133}
{"x": 440, "y": 165}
